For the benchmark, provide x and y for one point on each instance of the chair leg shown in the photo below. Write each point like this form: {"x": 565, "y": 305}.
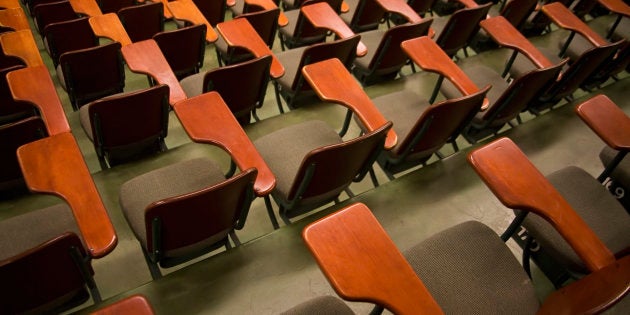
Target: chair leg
{"x": 154, "y": 269}
{"x": 527, "y": 255}
{"x": 276, "y": 88}
{"x": 346, "y": 123}
{"x": 377, "y": 310}
{"x": 234, "y": 238}
{"x": 219, "y": 58}
{"x": 272, "y": 216}
{"x": 349, "y": 192}
{"x": 82, "y": 264}
{"x": 373, "y": 177}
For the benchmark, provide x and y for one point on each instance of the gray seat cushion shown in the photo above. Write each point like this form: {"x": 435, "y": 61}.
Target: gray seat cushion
{"x": 290, "y": 59}
{"x": 173, "y": 180}
{"x": 594, "y": 204}
{"x": 577, "y": 47}
{"x": 289, "y": 29}
{"x": 284, "y": 150}
{"x": 324, "y": 305}
{"x": 193, "y": 84}
{"x": 523, "y": 65}
{"x": 26, "y": 231}
{"x": 621, "y": 174}
{"x": 622, "y": 30}
{"x": 403, "y": 109}
{"x": 481, "y": 76}
{"x": 371, "y": 39}
{"x": 469, "y": 270}
{"x": 86, "y": 124}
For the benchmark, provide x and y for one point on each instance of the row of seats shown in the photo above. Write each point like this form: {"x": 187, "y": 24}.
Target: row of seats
{"x": 290, "y": 190}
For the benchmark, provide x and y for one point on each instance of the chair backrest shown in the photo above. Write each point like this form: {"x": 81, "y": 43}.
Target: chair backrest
{"x": 438, "y": 124}
{"x": 421, "y": 6}
{"x": 12, "y": 136}
{"x": 582, "y": 7}
{"x": 343, "y": 49}
{"x": 304, "y": 29}
{"x": 251, "y": 78}
{"x": 264, "y": 22}
{"x": 113, "y": 6}
{"x": 389, "y": 56}
{"x": 191, "y": 224}
{"x": 520, "y": 93}
{"x": 10, "y": 109}
{"x": 212, "y": 10}
{"x": 42, "y": 278}
{"x": 517, "y": 11}
{"x": 327, "y": 171}
{"x": 461, "y": 27}
{"x": 367, "y": 16}
{"x": 31, "y": 4}
{"x": 46, "y": 13}
{"x": 62, "y": 37}
{"x": 183, "y": 48}
{"x": 142, "y": 21}
{"x": 619, "y": 63}
{"x": 92, "y": 73}
{"x": 127, "y": 123}
{"x": 579, "y": 71}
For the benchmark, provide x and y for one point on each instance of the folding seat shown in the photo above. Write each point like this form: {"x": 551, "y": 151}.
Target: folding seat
{"x": 299, "y": 32}
{"x": 142, "y": 21}
{"x": 264, "y": 22}
{"x": 91, "y": 73}
{"x": 251, "y": 78}
{"x": 515, "y": 11}
{"x": 61, "y": 37}
{"x": 576, "y": 74}
{"x": 507, "y": 100}
{"x": 183, "y": 48}
{"x": 182, "y": 211}
{"x": 363, "y": 15}
{"x": 464, "y": 269}
{"x": 456, "y": 31}
{"x": 385, "y": 57}
{"x": 46, "y": 13}
{"x": 12, "y": 136}
{"x": 313, "y": 165}
{"x": 127, "y": 126}
{"x": 291, "y": 85}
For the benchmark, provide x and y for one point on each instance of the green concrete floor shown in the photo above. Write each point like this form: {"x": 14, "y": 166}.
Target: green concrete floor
{"x": 272, "y": 270}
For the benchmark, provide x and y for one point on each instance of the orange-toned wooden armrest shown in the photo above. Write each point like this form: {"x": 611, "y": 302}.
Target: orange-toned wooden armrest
{"x": 87, "y": 7}
{"x": 401, "y": 7}
{"x": 519, "y": 185}
{"x": 363, "y": 264}
{"x": 332, "y": 82}
{"x": 22, "y": 44}
{"x": 504, "y": 33}
{"x": 187, "y": 10}
{"x": 616, "y": 6}
{"x": 607, "y": 120}
{"x": 146, "y": 57}
{"x": 430, "y": 57}
{"x": 109, "y": 26}
{"x": 135, "y": 304}
{"x": 10, "y": 4}
{"x": 54, "y": 165}
{"x": 469, "y": 3}
{"x": 43, "y": 95}
{"x": 321, "y": 15}
{"x": 207, "y": 119}
{"x": 14, "y": 18}
{"x": 238, "y": 32}
{"x": 592, "y": 294}
{"x": 562, "y": 16}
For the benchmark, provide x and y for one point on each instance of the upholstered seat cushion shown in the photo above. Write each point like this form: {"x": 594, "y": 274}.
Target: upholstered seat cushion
{"x": 289, "y": 29}
{"x": 173, "y": 180}
{"x": 594, "y": 204}
{"x": 290, "y": 59}
{"x": 577, "y": 47}
{"x": 283, "y": 150}
{"x": 327, "y": 304}
{"x": 26, "y": 231}
{"x": 238, "y": 8}
{"x": 193, "y": 84}
{"x": 403, "y": 108}
{"x": 438, "y": 24}
{"x": 523, "y": 65}
{"x": 481, "y": 76}
{"x": 622, "y": 30}
{"x": 371, "y": 39}
{"x": 621, "y": 174}
{"x": 469, "y": 270}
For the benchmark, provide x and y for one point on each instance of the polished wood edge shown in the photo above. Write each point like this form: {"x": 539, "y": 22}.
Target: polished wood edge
{"x": 133, "y": 305}
{"x": 592, "y": 294}
{"x": 517, "y": 183}
{"x": 188, "y": 11}
{"x": 86, "y": 7}
{"x": 22, "y": 44}
{"x": 43, "y": 96}
{"x": 362, "y": 263}
{"x": 564, "y": 18}
{"x": 14, "y": 18}
{"x": 55, "y": 165}
{"x": 616, "y": 6}
{"x": 109, "y": 26}
{"x": 607, "y": 120}
{"x": 332, "y": 82}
